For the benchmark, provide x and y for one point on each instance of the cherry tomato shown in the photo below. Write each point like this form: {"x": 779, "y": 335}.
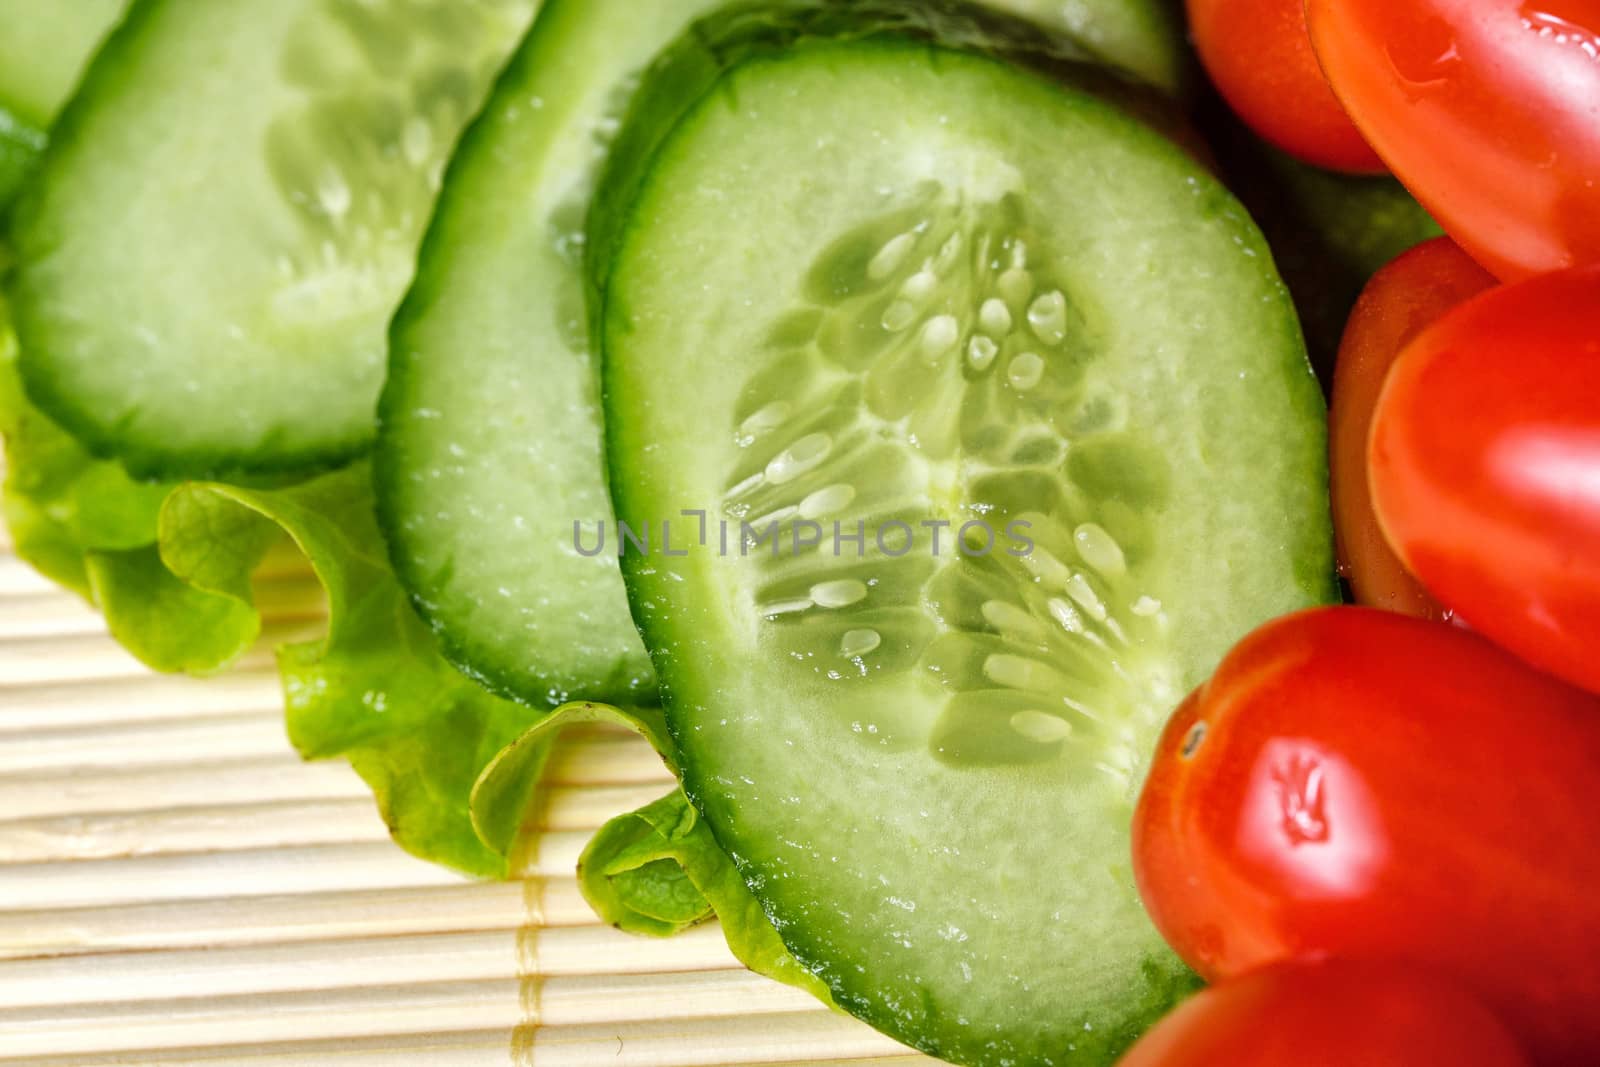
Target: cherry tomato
{"x": 1258, "y": 53}
{"x": 1488, "y": 110}
{"x": 1401, "y": 299}
{"x": 1485, "y": 462}
{"x": 1332, "y": 1013}
{"x": 1362, "y": 784}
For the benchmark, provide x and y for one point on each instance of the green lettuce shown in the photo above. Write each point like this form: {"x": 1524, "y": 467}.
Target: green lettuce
{"x": 375, "y": 689}
{"x": 656, "y": 871}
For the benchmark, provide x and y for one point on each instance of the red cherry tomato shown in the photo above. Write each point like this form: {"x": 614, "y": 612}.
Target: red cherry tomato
{"x": 1485, "y": 467}
{"x": 1488, "y": 110}
{"x": 1334, "y": 1013}
{"x": 1258, "y": 52}
{"x": 1362, "y": 784}
{"x": 1401, "y": 299}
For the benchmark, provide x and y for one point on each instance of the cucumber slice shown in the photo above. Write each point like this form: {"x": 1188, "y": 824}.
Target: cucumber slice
{"x": 43, "y": 49}
{"x": 489, "y": 440}
{"x": 1142, "y": 37}
{"x": 226, "y": 216}
{"x": 870, "y": 278}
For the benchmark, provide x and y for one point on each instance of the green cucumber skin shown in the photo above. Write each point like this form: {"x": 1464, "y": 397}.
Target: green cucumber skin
{"x": 271, "y": 457}
{"x": 918, "y": 1016}
{"x": 509, "y": 146}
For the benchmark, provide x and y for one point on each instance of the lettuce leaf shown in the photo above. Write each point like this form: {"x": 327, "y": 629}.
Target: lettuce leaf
{"x": 504, "y": 792}
{"x": 375, "y": 690}
{"x": 169, "y": 625}
{"x": 59, "y": 501}
{"x": 648, "y": 871}
{"x": 635, "y": 870}
{"x": 656, "y": 871}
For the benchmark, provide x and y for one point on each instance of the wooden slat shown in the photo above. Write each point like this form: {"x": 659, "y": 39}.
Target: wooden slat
{"x": 271, "y": 968}
{"x": 94, "y": 836}
{"x": 179, "y": 741}
{"x": 799, "y": 1039}
{"x": 309, "y": 869}
{"x": 59, "y": 613}
{"x": 482, "y": 1048}
{"x": 143, "y": 698}
{"x": 17, "y": 578}
{"x": 288, "y": 919}
{"x": 810, "y": 1036}
{"x": 374, "y": 1008}
{"x": 546, "y": 920}
{"x": 95, "y": 656}
{"x": 279, "y": 777}
{"x": 222, "y": 828}
{"x": 319, "y": 868}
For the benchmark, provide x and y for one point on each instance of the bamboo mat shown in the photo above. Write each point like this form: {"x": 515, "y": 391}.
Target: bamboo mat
{"x": 176, "y": 887}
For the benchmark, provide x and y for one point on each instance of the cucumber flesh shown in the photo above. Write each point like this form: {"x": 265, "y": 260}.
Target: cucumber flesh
{"x": 489, "y": 445}
{"x": 43, "y": 49}
{"x": 871, "y": 279}
{"x": 211, "y": 249}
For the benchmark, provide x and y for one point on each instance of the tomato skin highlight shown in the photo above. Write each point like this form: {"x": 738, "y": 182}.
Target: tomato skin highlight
{"x": 1367, "y": 785}
{"x": 1485, "y": 461}
{"x": 1259, "y": 56}
{"x": 1398, "y": 303}
{"x": 1331, "y": 1013}
{"x": 1487, "y": 110}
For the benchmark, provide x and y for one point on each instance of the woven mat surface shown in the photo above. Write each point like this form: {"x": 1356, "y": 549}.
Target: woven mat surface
{"x": 176, "y": 887}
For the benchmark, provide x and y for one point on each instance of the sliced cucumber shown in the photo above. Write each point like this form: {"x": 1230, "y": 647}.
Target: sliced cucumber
{"x": 870, "y": 278}
{"x": 489, "y": 444}
{"x": 44, "y": 45}
{"x": 226, "y": 216}
{"x": 1142, "y": 37}
{"x": 43, "y": 48}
